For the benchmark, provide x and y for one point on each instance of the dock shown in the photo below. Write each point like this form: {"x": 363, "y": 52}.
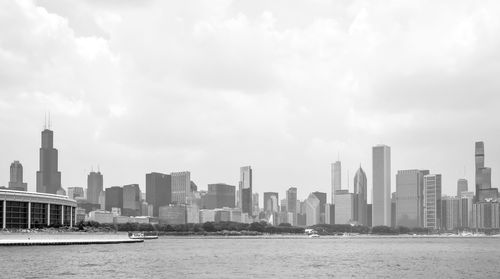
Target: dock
{"x": 63, "y": 239}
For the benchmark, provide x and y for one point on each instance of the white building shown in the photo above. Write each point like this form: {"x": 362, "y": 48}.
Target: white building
{"x": 432, "y": 201}
{"x": 344, "y": 207}
{"x": 381, "y": 206}
{"x": 313, "y": 212}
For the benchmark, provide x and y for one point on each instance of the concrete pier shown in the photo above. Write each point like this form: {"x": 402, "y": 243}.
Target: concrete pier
{"x": 63, "y": 239}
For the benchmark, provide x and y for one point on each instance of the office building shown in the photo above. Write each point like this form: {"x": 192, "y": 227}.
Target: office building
{"x": 322, "y": 202}
{"x": 485, "y": 215}
{"x": 336, "y": 173}
{"x": 207, "y": 215}
{"x": 312, "y": 204}
{"x": 255, "y": 204}
{"x": 158, "y": 191}
{"x": 48, "y": 178}
{"x": 344, "y": 207}
{"x": 114, "y": 198}
{"x": 174, "y": 214}
{"x": 432, "y": 201}
{"x": 465, "y": 209}
{"x": 484, "y": 191}
{"x": 219, "y": 195}
{"x": 450, "y": 213}
{"x": 131, "y": 200}
{"x": 291, "y": 204}
{"x": 181, "y": 187}
{"x": 94, "y": 186}
{"x": 360, "y": 197}
{"x": 330, "y": 214}
{"x": 381, "y": 208}
{"x": 271, "y": 202}
{"x": 410, "y": 198}
{"x": 16, "y": 177}
{"x": 245, "y": 188}
{"x": 462, "y": 186}
{"x": 76, "y": 192}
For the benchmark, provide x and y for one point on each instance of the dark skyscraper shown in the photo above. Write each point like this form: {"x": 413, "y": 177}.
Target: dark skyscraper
{"x": 271, "y": 200}
{"x": 462, "y": 186}
{"x": 158, "y": 190}
{"x": 94, "y": 186}
{"x": 48, "y": 178}
{"x": 360, "y": 197}
{"x": 484, "y": 191}
{"x": 322, "y": 202}
{"x": 220, "y": 195}
{"x": 131, "y": 200}
{"x": 114, "y": 198}
{"x": 16, "y": 177}
{"x": 245, "y": 187}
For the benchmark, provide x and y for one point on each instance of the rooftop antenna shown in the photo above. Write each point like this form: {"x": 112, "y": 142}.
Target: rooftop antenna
{"x": 45, "y": 121}
{"x": 49, "y": 121}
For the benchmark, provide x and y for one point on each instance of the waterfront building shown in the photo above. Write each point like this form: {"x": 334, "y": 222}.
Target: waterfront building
{"x": 121, "y": 219}
{"x": 100, "y": 216}
{"x": 485, "y": 215}
{"x": 255, "y": 204}
{"x": 48, "y": 178}
{"x": 322, "y": 202}
{"x": 344, "y": 207}
{"x": 235, "y": 215}
{"x": 312, "y": 210}
{"x": 94, "y": 186}
{"x": 114, "y": 198}
{"x": 174, "y": 214}
{"x": 450, "y": 213}
{"x": 16, "y": 177}
{"x": 484, "y": 191}
{"x": 381, "y": 208}
{"x": 271, "y": 202}
{"x": 360, "y": 197}
{"x": 336, "y": 173}
{"x": 26, "y": 210}
{"x": 465, "y": 209}
{"x": 219, "y": 195}
{"x": 410, "y": 198}
{"x": 192, "y": 213}
{"x": 74, "y": 192}
{"x": 158, "y": 191}
{"x": 181, "y": 187}
{"x": 432, "y": 201}
{"x": 102, "y": 200}
{"x": 330, "y": 214}
{"x": 462, "y": 186}
{"x": 224, "y": 215}
{"x": 245, "y": 190}
{"x": 291, "y": 204}
{"x": 207, "y": 215}
{"x": 131, "y": 200}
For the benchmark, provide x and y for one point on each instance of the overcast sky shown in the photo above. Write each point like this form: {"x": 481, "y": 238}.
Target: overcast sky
{"x": 284, "y": 86}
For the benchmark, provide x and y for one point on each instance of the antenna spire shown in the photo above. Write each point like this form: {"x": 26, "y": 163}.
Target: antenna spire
{"x": 49, "y": 121}
{"x": 45, "y": 121}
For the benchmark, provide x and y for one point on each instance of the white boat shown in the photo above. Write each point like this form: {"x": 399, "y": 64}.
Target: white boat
{"x": 142, "y": 236}
{"x": 314, "y": 235}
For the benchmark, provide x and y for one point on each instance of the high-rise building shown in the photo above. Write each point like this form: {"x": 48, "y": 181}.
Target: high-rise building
{"x": 312, "y": 204}
{"x": 462, "y": 186}
{"x": 114, "y": 198}
{"x": 450, "y": 213}
{"x": 381, "y": 208}
{"x": 131, "y": 200}
{"x": 16, "y": 177}
{"x": 432, "y": 201}
{"x": 344, "y": 207}
{"x": 94, "y": 186}
{"x": 245, "y": 187}
{"x": 181, "y": 187}
{"x": 484, "y": 191}
{"x": 271, "y": 202}
{"x": 291, "y": 204}
{"x": 410, "y": 198}
{"x": 330, "y": 214}
{"x": 48, "y": 178}
{"x": 158, "y": 190}
{"x": 465, "y": 209}
{"x": 336, "y": 178}
{"x": 255, "y": 204}
{"x": 75, "y": 192}
{"x": 322, "y": 202}
{"x": 220, "y": 195}
{"x": 360, "y": 197}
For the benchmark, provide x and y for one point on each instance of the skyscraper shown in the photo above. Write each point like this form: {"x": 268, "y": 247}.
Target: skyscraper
{"x": 75, "y": 192}
{"x": 344, "y": 207}
{"x": 291, "y": 205}
{"x": 410, "y": 198}
{"x": 181, "y": 187}
{"x": 484, "y": 192}
{"x": 322, "y": 202}
{"x": 271, "y": 202}
{"x": 114, "y": 198}
{"x": 255, "y": 204}
{"x": 462, "y": 186}
{"x": 381, "y": 207}
{"x": 360, "y": 197}
{"x": 432, "y": 201}
{"x": 16, "y": 177}
{"x": 48, "y": 178}
{"x": 131, "y": 200}
{"x": 158, "y": 190}
{"x": 312, "y": 205}
{"x": 336, "y": 179}
{"x": 220, "y": 195}
{"x": 245, "y": 186}
{"x": 94, "y": 186}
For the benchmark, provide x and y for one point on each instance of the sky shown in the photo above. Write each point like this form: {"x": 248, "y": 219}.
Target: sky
{"x": 288, "y": 87}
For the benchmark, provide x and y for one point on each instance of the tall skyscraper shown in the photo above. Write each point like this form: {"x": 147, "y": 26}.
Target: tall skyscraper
{"x": 114, "y": 198}
{"x": 410, "y": 198}
{"x": 245, "y": 186}
{"x": 291, "y": 205}
{"x": 322, "y": 202}
{"x": 312, "y": 205}
{"x": 360, "y": 197}
{"x": 344, "y": 207}
{"x": 94, "y": 186}
{"x": 271, "y": 200}
{"x": 432, "y": 201}
{"x": 181, "y": 187}
{"x": 484, "y": 191}
{"x": 131, "y": 200}
{"x": 462, "y": 186}
{"x": 255, "y": 204}
{"x": 220, "y": 195}
{"x": 48, "y": 178}
{"x": 336, "y": 179}
{"x": 16, "y": 177}
{"x": 158, "y": 190}
{"x": 381, "y": 207}
{"x": 75, "y": 192}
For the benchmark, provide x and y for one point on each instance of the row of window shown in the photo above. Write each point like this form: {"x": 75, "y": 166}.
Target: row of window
{"x": 16, "y": 215}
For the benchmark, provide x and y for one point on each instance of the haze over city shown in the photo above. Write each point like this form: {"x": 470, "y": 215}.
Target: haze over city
{"x": 141, "y": 86}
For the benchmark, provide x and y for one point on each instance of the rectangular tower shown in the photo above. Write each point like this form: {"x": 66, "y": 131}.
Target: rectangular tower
{"x": 94, "y": 186}
{"x": 381, "y": 206}
{"x": 432, "y": 201}
{"x": 181, "y": 187}
{"x": 158, "y": 190}
{"x": 336, "y": 179}
{"x": 410, "y": 198}
{"x": 245, "y": 186}
{"x": 48, "y": 178}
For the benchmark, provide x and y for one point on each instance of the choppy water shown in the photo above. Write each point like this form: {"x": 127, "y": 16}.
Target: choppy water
{"x": 260, "y": 258}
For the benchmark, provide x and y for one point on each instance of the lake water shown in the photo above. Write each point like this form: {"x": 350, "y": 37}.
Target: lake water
{"x": 261, "y": 257}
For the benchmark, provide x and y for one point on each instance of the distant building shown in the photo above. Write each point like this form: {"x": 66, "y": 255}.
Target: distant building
{"x": 74, "y": 192}
{"x": 462, "y": 186}
{"x": 485, "y": 215}
{"x": 381, "y": 208}
{"x": 410, "y": 198}
{"x": 181, "y": 187}
{"x": 484, "y": 191}
{"x": 48, "y": 178}
{"x": 131, "y": 200}
{"x": 271, "y": 200}
{"x": 450, "y": 213}
{"x": 283, "y": 205}
{"x": 393, "y": 210}
{"x": 219, "y": 195}
{"x": 114, "y": 198}
{"x": 344, "y": 207}
{"x": 103, "y": 217}
{"x": 322, "y": 202}
{"x": 330, "y": 214}
{"x": 432, "y": 201}
{"x": 207, "y": 215}
{"x": 255, "y": 204}
{"x": 245, "y": 190}
{"x": 192, "y": 213}
{"x": 16, "y": 177}
{"x": 291, "y": 201}
{"x": 102, "y": 200}
{"x": 94, "y": 186}
{"x": 369, "y": 215}
{"x": 172, "y": 214}
{"x": 158, "y": 191}
{"x": 222, "y": 215}
{"x": 360, "y": 197}
{"x": 61, "y": 192}
{"x": 465, "y": 209}
{"x": 336, "y": 178}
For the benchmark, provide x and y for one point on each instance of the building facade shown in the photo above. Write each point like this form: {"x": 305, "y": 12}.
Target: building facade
{"x": 410, "y": 198}
{"x": 16, "y": 177}
{"x": 158, "y": 191}
{"x": 219, "y": 195}
{"x": 114, "y": 198}
{"x": 94, "y": 186}
{"x": 381, "y": 206}
{"x": 48, "y": 178}
{"x": 131, "y": 200}
{"x": 462, "y": 186}
{"x": 313, "y": 211}
{"x": 181, "y": 187}
{"x": 344, "y": 207}
{"x": 336, "y": 173}
{"x": 360, "y": 197}
{"x": 245, "y": 190}
{"x": 432, "y": 201}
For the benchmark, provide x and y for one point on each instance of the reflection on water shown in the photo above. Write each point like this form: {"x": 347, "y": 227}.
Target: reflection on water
{"x": 260, "y": 258}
